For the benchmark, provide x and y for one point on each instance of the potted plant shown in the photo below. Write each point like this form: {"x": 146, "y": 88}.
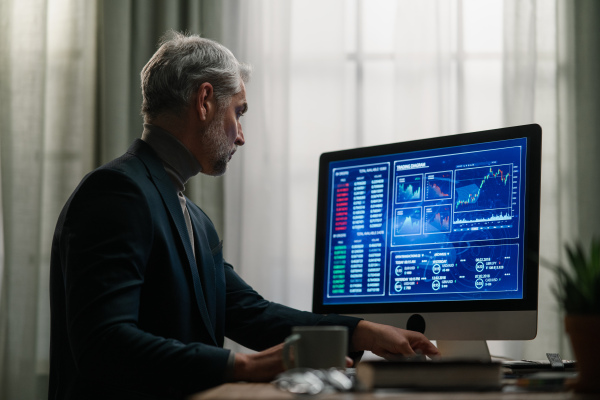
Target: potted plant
{"x": 578, "y": 293}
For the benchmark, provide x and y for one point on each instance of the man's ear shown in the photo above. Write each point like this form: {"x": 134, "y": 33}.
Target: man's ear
{"x": 205, "y": 101}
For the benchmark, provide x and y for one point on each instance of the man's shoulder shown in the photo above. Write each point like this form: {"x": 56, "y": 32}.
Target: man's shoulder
{"x": 135, "y": 168}
{"x": 138, "y": 158}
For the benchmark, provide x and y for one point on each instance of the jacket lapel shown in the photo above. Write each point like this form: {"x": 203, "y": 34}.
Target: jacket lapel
{"x": 167, "y": 191}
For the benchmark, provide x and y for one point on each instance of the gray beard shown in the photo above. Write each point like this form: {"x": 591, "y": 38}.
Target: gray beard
{"x": 218, "y": 141}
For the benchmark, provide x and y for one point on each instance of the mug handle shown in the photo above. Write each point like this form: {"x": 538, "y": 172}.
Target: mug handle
{"x": 287, "y": 346}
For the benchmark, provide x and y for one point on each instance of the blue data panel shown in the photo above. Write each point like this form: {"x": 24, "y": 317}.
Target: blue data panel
{"x": 358, "y": 225}
{"x": 432, "y": 225}
{"x": 455, "y": 273}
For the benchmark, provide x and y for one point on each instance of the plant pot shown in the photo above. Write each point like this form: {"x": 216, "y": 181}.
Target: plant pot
{"x": 584, "y": 331}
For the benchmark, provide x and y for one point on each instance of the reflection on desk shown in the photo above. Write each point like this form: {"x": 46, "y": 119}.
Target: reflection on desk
{"x": 266, "y": 391}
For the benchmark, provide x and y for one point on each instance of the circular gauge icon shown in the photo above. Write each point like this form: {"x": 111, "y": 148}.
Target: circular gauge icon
{"x": 479, "y": 266}
{"x": 479, "y": 283}
{"x": 399, "y": 270}
{"x": 437, "y": 269}
{"x": 435, "y": 285}
{"x": 398, "y": 287}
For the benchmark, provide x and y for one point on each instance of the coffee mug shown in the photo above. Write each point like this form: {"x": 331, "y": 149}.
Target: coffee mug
{"x": 318, "y": 347}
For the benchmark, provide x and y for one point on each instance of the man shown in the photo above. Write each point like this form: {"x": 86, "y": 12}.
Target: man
{"x": 141, "y": 297}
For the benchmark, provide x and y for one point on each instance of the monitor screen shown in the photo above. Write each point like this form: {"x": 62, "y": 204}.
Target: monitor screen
{"x": 431, "y": 227}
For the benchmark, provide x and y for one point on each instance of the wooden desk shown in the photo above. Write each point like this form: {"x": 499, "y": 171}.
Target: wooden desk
{"x": 266, "y": 391}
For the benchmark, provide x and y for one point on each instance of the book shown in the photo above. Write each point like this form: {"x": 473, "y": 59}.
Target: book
{"x": 430, "y": 375}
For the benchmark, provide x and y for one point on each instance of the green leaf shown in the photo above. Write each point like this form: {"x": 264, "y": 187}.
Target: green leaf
{"x": 578, "y": 283}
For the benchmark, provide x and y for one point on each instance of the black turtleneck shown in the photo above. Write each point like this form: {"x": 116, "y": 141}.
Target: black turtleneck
{"x": 178, "y": 161}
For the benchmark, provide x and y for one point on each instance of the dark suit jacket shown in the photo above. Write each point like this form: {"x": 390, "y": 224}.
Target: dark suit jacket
{"x": 134, "y": 316}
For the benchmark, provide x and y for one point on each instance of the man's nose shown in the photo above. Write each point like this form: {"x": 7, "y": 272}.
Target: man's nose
{"x": 239, "y": 140}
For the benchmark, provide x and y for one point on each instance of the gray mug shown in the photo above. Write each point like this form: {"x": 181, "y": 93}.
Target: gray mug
{"x": 318, "y": 347}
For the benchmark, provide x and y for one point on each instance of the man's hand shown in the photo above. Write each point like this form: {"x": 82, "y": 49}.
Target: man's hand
{"x": 259, "y": 367}
{"x": 389, "y": 342}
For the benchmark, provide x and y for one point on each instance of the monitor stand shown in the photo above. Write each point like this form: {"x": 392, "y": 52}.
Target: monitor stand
{"x": 464, "y": 350}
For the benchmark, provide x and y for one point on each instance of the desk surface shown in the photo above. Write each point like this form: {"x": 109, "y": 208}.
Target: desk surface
{"x": 266, "y": 391}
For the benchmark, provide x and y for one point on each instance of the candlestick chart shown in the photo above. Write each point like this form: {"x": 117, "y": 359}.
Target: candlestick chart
{"x": 486, "y": 188}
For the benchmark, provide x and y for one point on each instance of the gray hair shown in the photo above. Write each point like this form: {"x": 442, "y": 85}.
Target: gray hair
{"x": 172, "y": 77}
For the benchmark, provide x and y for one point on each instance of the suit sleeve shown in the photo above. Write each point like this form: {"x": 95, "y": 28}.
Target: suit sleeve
{"x": 259, "y": 324}
{"x": 104, "y": 244}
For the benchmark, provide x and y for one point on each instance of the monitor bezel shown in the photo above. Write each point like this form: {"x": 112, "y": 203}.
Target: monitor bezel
{"x": 533, "y": 134}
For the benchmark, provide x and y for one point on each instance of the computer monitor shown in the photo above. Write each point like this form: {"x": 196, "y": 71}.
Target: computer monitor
{"x": 438, "y": 235}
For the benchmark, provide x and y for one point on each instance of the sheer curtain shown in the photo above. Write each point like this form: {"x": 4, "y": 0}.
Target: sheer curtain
{"x": 441, "y": 67}
{"x": 579, "y": 122}
{"x": 296, "y": 98}
{"x": 257, "y": 190}
{"x": 47, "y": 65}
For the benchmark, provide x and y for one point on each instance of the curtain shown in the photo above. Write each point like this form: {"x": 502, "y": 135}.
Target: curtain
{"x": 256, "y": 186}
{"x": 47, "y": 65}
{"x": 257, "y": 182}
{"x": 579, "y": 57}
{"x": 530, "y": 95}
{"x": 574, "y": 183}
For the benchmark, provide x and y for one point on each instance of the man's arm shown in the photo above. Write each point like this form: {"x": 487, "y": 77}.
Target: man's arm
{"x": 260, "y": 324}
